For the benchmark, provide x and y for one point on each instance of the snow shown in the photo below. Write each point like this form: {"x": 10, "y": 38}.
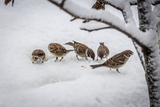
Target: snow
{"x": 31, "y": 25}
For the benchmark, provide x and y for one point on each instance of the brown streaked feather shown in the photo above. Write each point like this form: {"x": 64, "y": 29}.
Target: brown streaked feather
{"x": 80, "y": 49}
{"x": 8, "y": 1}
{"x": 56, "y": 48}
{"x": 98, "y": 6}
{"x": 116, "y": 61}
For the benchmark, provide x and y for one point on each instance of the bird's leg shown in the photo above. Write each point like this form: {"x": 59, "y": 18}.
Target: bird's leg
{"x": 77, "y": 57}
{"x": 86, "y": 58}
{"x": 117, "y": 70}
{"x": 61, "y": 59}
{"x": 56, "y": 59}
{"x": 110, "y": 68}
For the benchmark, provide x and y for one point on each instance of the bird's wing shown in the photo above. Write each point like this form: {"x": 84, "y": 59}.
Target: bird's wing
{"x": 116, "y": 60}
{"x": 81, "y": 48}
{"x": 107, "y": 50}
{"x": 57, "y": 48}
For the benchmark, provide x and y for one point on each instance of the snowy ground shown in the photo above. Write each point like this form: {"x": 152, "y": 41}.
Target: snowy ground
{"x": 31, "y": 25}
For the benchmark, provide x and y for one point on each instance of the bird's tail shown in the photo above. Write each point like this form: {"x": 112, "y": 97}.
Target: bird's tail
{"x": 69, "y": 43}
{"x": 96, "y": 66}
{"x": 70, "y": 50}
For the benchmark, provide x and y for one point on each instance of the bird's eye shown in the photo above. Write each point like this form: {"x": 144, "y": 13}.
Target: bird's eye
{"x": 129, "y": 55}
{"x": 40, "y": 54}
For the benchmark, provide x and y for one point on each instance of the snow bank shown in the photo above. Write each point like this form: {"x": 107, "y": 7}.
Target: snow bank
{"x": 34, "y": 24}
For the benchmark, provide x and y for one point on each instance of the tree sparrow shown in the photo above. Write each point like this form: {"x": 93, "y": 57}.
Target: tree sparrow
{"x": 99, "y": 5}
{"x": 116, "y": 61}
{"x": 82, "y": 50}
{"x": 58, "y": 50}
{"x": 102, "y": 51}
{"x": 38, "y": 56}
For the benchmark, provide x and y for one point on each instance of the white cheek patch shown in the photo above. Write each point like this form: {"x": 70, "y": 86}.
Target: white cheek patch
{"x": 86, "y": 52}
{"x": 126, "y": 56}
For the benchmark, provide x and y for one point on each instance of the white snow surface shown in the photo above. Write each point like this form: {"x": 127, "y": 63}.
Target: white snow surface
{"x": 31, "y": 25}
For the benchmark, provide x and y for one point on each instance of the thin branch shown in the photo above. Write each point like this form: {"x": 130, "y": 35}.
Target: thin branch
{"x": 90, "y": 30}
{"x": 113, "y": 5}
{"x": 132, "y": 3}
{"x": 155, "y": 2}
{"x": 62, "y": 3}
{"x": 73, "y": 19}
{"x": 140, "y": 56}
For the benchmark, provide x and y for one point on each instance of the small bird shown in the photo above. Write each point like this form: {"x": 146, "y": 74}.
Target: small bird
{"x": 58, "y": 50}
{"x": 116, "y": 61}
{"x": 100, "y": 4}
{"x": 38, "y": 56}
{"x": 81, "y": 50}
{"x": 102, "y": 51}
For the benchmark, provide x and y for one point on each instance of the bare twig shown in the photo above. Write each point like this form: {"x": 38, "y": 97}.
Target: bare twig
{"x": 90, "y": 30}
{"x": 155, "y": 2}
{"x": 73, "y": 19}
{"x": 62, "y": 3}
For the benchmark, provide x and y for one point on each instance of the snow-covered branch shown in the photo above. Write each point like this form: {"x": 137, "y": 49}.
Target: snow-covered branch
{"x": 102, "y": 16}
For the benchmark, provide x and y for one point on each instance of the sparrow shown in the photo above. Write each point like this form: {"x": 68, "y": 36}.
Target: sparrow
{"x": 100, "y": 4}
{"x": 116, "y": 61}
{"x": 58, "y": 50}
{"x": 102, "y": 51}
{"x": 82, "y": 50}
{"x": 38, "y": 56}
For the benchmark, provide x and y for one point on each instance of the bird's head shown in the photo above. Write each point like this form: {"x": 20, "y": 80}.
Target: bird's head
{"x": 127, "y": 53}
{"x": 90, "y": 53}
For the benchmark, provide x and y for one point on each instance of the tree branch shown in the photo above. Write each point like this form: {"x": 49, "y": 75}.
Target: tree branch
{"x": 90, "y": 30}
{"x": 62, "y": 3}
{"x": 125, "y": 16}
{"x": 100, "y": 20}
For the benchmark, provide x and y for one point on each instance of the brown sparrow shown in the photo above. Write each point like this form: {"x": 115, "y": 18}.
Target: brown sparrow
{"x": 38, "y": 56}
{"x": 82, "y": 50}
{"x": 100, "y": 4}
{"x": 102, "y": 51}
{"x": 116, "y": 61}
{"x": 58, "y": 50}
